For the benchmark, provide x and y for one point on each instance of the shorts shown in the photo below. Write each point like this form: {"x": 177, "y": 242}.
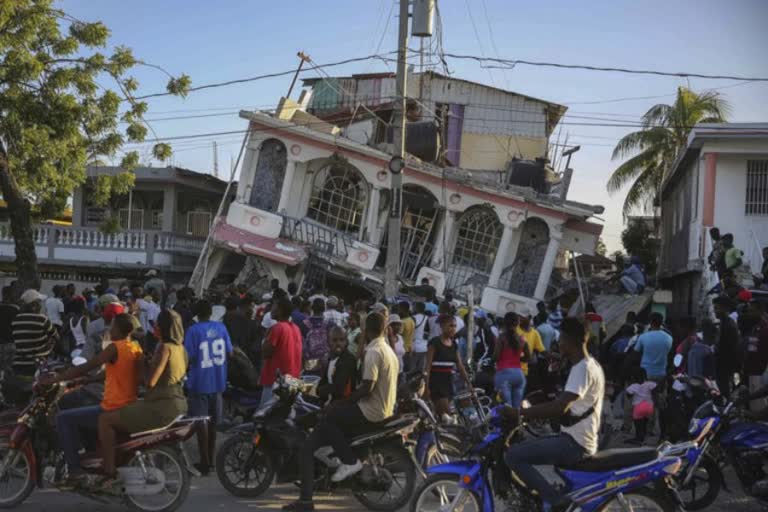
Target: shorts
{"x": 205, "y": 404}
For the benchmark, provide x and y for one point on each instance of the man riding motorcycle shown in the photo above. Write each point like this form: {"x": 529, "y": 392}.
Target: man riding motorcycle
{"x": 372, "y": 402}
{"x": 579, "y": 409}
{"x": 121, "y": 360}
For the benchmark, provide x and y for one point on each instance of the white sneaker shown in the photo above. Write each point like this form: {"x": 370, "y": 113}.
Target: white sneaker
{"x": 346, "y": 470}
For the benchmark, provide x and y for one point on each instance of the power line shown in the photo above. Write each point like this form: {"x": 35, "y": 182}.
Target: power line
{"x": 677, "y": 74}
{"x": 262, "y": 77}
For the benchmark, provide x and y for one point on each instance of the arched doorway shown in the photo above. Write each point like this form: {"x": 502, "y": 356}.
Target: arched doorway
{"x": 417, "y": 231}
{"x": 268, "y": 176}
{"x": 521, "y": 278}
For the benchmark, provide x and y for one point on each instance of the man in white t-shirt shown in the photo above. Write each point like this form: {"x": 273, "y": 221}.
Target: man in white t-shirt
{"x": 54, "y": 307}
{"x": 579, "y": 409}
{"x": 419, "y": 356}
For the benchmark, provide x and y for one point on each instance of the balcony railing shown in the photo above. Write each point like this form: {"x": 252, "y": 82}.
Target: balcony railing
{"x": 321, "y": 238}
{"x": 86, "y": 246}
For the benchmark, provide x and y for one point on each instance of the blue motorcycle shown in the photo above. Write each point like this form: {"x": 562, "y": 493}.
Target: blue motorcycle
{"x": 636, "y": 479}
{"x": 721, "y": 437}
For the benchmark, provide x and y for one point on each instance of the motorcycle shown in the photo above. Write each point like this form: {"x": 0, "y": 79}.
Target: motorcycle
{"x": 721, "y": 438}
{"x": 609, "y": 480}
{"x": 269, "y": 447}
{"x": 153, "y": 467}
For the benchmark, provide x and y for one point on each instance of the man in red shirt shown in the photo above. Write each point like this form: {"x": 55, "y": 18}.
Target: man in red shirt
{"x": 281, "y": 350}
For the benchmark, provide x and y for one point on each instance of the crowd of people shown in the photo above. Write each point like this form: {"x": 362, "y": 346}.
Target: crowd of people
{"x": 180, "y": 348}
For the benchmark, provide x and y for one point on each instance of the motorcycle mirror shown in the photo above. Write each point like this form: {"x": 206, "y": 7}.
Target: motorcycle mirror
{"x": 678, "y": 360}
{"x": 79, "y": 361}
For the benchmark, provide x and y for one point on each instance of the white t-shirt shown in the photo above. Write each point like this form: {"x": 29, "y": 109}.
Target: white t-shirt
{"x": 587, "y": 381}
{"x": 400, "y": 352}
{"x": 419, "y": 342}
{"x": 434, "y": 326}
{"x": 54, "y": 308}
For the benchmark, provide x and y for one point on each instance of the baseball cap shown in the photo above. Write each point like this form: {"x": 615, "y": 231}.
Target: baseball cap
{"x": 31, "y": 296}
{"x": 744, "y": 295}
{"x": 379, "y": 307}
{"x": 394, "y": 319}
{"x": 112, "y": 310}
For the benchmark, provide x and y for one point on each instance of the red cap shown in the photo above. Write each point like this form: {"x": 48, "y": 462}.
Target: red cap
{"x": 744, "y": 295}
{"x": 111, "y": 310}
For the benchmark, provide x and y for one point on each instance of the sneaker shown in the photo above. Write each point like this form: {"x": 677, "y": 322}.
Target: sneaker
{"x": 346, "y": 470}
{"x": 323, "y": 455}
{"x": 299, "y": 506}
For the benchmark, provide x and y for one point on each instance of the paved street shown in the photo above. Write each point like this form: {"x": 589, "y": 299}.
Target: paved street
{"x": 207, "y": 494}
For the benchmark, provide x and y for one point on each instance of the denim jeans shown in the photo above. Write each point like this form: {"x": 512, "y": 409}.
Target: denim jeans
{"x": 554, "y": 450}
{"x": 510, "y": 383}
{"x": 68, "y": 425}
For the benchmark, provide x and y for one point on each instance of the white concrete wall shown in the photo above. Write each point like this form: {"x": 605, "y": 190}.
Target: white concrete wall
{"x": 730, "y": 196}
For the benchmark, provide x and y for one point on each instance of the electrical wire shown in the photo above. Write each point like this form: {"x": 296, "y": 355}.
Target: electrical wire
{"x": 678, "y": 74}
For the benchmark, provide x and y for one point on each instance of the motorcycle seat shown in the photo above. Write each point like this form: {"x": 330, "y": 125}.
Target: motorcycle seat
{"x": 383, "y": 429}
{"x": 609, "y": 460}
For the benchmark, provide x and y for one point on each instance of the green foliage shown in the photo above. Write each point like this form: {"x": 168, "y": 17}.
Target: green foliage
{"x": 110, "y": 226}
{"x": 638, "y": 240}
{"x": 55, "y": 117}
{"x": 651, "y": 151}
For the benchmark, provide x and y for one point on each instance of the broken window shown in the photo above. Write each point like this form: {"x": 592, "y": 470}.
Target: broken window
{"x": 523, "y": 275}
{"x": 477, "y": 240}
{"x": 339, "y": 197}
{"x": 268, "y": 177}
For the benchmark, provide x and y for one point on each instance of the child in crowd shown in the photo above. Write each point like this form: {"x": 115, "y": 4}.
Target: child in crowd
{"x": 641, "y": 391}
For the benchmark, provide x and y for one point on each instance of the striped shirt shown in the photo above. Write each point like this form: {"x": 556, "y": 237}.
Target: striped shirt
{"x": 32, "y": 335}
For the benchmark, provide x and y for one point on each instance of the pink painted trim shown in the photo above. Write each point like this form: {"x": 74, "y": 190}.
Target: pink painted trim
{"x": 710, "y": 182}
{"x": 584, "y": 227}
{"x": 422, "y": 175}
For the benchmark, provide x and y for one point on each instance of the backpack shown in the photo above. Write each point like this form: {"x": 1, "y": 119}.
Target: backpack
{"x": 316, "y": 340}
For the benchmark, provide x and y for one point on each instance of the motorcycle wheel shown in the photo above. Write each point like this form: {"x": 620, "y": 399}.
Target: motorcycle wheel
{"x": 245, "y": 470}
{"x": 641, "y": 500}
{"x": 442, "y": 492}
{"x": 704, "y": 487}
{"x": 177, "y": 481}
{"x": 20, "y": 472}
{"x": 398, "y": 462}
{"x": 451, "y": 451}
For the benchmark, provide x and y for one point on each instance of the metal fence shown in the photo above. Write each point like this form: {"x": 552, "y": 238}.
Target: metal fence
{"x": 319, "y": 237}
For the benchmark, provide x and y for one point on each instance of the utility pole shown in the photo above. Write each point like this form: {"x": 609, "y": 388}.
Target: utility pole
{"x": 392, "y": 268}
{"x": 215, "y": 159}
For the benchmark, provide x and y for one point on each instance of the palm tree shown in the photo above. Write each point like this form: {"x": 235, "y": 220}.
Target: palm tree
{"x": 653, "y": 149}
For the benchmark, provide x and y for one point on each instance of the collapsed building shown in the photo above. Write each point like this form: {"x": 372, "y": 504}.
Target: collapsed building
{"x": 482, "y": 208}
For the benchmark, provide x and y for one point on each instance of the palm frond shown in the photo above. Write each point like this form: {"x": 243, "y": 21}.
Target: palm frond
{"x": 643, "y": 191}
{"x": 632, "y": 169}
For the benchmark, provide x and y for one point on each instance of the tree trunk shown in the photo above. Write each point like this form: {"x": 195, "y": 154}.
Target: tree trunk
{"x": 21, "y": 227}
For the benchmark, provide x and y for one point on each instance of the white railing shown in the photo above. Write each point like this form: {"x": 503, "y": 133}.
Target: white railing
{"x": 90, "y": 237}
{"x": 175, "y": 242}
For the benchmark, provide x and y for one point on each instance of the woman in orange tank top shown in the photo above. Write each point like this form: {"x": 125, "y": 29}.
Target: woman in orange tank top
{"x": 122, "y": 360}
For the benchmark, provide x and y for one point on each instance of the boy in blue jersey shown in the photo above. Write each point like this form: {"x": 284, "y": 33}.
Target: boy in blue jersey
{"x": 209, "y": 346}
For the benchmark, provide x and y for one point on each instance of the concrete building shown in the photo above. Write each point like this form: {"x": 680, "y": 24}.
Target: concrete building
{"x": 161, "y": 224}
{"x": 481, "y": 127}
{"x": 310, "y": 198}
{"x": 719, "y": 180}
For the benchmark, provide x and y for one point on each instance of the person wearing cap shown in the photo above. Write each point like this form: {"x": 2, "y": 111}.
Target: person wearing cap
{"x": 34, "y": 336}
{"x": 395, "y": 339}
{"x": 727, "y": 359}
{"x": 121, "y": 360}
{"x": 332, "y": 315}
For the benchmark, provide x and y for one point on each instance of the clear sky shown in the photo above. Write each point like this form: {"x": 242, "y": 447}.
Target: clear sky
{"x": 218, "y": 41}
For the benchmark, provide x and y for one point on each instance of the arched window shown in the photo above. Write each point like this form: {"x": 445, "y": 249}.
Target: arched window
{"x": 523, "y": 276}
{"x": 339, "y": 196}
{"x": 268, "y": 176}
{"x": 478, "y": 239}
